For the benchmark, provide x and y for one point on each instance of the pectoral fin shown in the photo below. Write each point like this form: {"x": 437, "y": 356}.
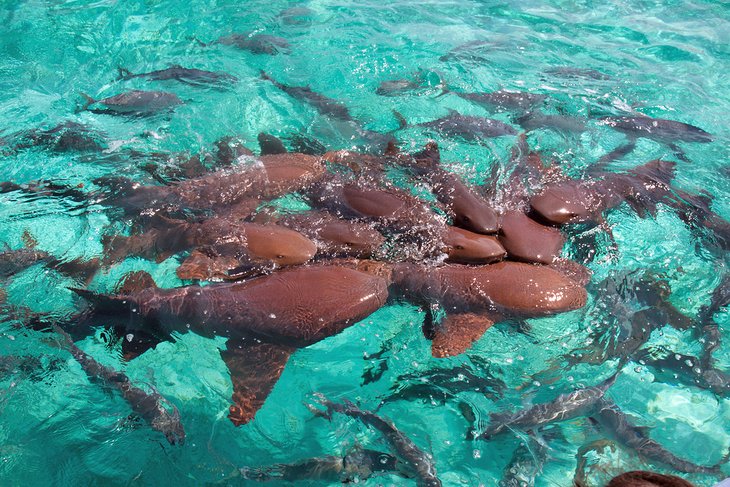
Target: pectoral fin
{"x": 137, "y": 342}
{"x": 204, "y": 265}
{"x": 457, "y": 332}
{"x": 254, "y": 368}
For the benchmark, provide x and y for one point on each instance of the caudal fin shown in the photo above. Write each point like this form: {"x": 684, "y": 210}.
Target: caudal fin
{"x": 89, "y": 101}
{"x": 444, "y": 90}
{"x": 270, "y": 144}
{"x": 402, "y": 122}
{"x": 200, "y": 43}
{"x": 79, "y": 269}
{"x": 657, "y": 170}
{"x": 124, "y": 73}
{"x": 103, "y": 303}
{"x": 134, "y": 282}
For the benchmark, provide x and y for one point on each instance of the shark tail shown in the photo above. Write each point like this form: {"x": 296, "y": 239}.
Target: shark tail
{"x": 116, "y": 184}
{"x": 717, "y": 468}
{"x": 104, "y": 303}
{"x": 124, "y": 73}
{"x": 78, "y": 268}
{"x": 444, "y": 89}
{"x": 116, "y": 248}
{"x": 612, "y": 380}
{"x": 89, "y": 101}
{"x": 199, "y": 42}
{"x": 402, "y": 122}
{"x": 658, "y": 170}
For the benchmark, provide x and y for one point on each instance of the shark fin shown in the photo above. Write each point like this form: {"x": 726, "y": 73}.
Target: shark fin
{"x": 104, "y": 303}
{"x": 124, "y": 73}
{"x": 89, "y": 101}
{"x": 254, "y": 369}
{"x": 136, "y": 343}
{"x": 205, "y": 264}
{"x": 402, "y": 122}
{"x": 457, "y": 333}
{"x": 270, "y": 144}
{"x": 78, "y": 268}
{"x": 134, "y": 282}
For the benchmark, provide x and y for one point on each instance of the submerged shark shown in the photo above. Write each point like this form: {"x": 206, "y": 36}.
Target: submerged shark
{"x": 566, "y": 406}
{"x": 264, "y": 319}
{"x": 152, "y": 407}
{"x": 621, "y": 427}
{"x": 419, "y": 462}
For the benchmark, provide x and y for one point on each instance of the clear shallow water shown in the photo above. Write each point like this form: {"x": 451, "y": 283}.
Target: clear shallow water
{"x": 664, "y": 59}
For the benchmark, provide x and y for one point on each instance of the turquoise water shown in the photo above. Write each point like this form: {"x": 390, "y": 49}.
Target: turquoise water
{"x": 663, "y": 59}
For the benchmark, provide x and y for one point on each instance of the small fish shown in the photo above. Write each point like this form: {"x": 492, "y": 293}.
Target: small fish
{"x": 561, "y": 123}
{"x": 441, "y": 384}
{"x": 502, "y": 100}
{"x": 423, "y": 79}
{"x": 67, "y": 136}
{"x": 625, "y": 330}
{"x": 710, "y": 329}
{"x": 469, "y": 51}
{"x": 405, "y": 450}
{"x": 301, "y": 16}
{"x": 151, "y": 407}
{"x": 674, "y": 368}
{"x": 526, "y": 463}
{"x": 356, "y": 466}
{"x": 191, "y": 76}
{"x": 659, "y": 129}
{"x": 468, "y": 127}
{"x": 15, "y": 261}
{"x": 135, "y": 102}
{"x": 667, "y": 132}
{"x": 565, "y": 406}
{"x": 621, "y": 426}
{"x": 27, "y": 366}
{"x": 325, "y": 106}
{"x": 570, "y": 72}
{"x": 256, "y": 43}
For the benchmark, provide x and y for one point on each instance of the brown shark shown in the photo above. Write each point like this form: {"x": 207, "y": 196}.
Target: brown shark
{"x": 474, "y": 298}
{"x": 335, "y": 237}
{"x": 248, "y": 243}
{"x": 467, "y": 209}
{"x": 465, "y": 247}
{"x": 526, "y": 240}
{"x": 394, "y": 212}
{"x": 575, "y": 200}
{"x": 265, "y": 319}
{"x": 266, "y": 177}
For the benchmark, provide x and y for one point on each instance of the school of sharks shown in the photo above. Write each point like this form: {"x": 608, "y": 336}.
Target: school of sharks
{"x": 271, "y": 280}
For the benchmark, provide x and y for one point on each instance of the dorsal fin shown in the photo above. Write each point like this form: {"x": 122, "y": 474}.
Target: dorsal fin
{"x": 457, "y": 332}
{"x": 270, "y": 145}
{"x": 134, "y": 282}
{"x": 392, "y": 148}
{"x": 28, "y": 240}
{"x": 430, "y": 155}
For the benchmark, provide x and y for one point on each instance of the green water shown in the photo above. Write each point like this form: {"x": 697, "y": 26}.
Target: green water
{"x": 663, "y": 59}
